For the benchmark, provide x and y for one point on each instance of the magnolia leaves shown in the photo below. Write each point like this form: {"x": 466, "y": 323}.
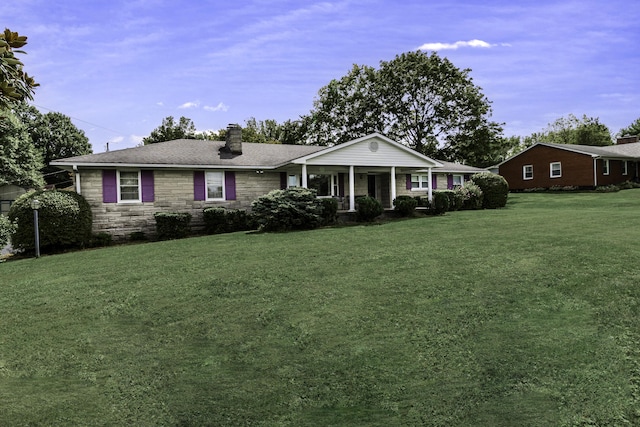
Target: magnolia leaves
{"x": 15, "y": 84}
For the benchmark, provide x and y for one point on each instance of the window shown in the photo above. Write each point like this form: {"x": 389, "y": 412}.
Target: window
{"x": 625, "y": 168}
{"x": 129, "y": 186}
{"x": 605, "y": 167}
{"x": 325, "y": 185}
{"x": 527, "y": 172}
{"x": 458, "y": 180}
{"x": 555, "y": 170}
{"x": 215, "y": 185}
{"x": 293, "y": 181}
{"x": 419, "y": 182}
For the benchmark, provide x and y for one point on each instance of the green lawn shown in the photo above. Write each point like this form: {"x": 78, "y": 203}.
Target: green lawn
{"x": 523, "y": 316}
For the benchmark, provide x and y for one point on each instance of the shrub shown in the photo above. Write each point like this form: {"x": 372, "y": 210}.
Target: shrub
{"x": 172, "y": 225}
{"x": 221, "y": 220}
{"x": 101, "y": 239}
{"x": 471, "y": 196}
{"x": 607, "y": 188}
{"x": 423, "y": 202}
{"x": 6, "y": 229}
{"x": 495, "y": 189}
{"x": 64, "y": 220}
{"x": 329, "y": 210}
{"x": 290, "y": 209}
{"x": 455, "y": 199}
{"x": 405, "y": 205}
{"x": 368, "y": 208}
{"x": 137, "y": 236}
{"x": 439, "y": 204}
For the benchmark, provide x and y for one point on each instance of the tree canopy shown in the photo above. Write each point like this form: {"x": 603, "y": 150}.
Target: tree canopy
{"x": 419, "y": 99}
{"x": 170, "y": 130}
{"x": 15, "y": 84}
{"x": 571, "y": 130}
{"x": 633, "y": 129}
{"x": 20, "y": 162}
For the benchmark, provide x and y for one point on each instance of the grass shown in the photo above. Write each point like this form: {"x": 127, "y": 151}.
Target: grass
{"x": 523, "y": 316}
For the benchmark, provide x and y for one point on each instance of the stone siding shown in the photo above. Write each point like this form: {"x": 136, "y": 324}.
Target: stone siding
{"x": 173, "y": 192}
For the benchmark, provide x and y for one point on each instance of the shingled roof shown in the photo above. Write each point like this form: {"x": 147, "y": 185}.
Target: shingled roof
{"x": 192, "y": 152}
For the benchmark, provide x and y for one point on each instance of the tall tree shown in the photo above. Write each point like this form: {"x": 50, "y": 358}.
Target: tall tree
{"x": 15, "y": 84}
{"x": 633, "y": 129}
{"x": 417, "y": 98}
{"x": 55, "y": 137}
{"x": 571, "y": 130}
{"x": 170, "y": 130}
{"x": 20, "y": 162}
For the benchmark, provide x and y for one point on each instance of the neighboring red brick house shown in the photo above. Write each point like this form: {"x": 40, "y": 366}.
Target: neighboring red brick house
{"x": 546, "y": 165}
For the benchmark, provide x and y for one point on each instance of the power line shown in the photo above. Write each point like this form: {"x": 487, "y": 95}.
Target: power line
{"x": 83, "y": 121}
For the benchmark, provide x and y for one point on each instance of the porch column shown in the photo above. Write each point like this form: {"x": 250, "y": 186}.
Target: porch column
{"x": 352, "y": 189}
{"x": 393, "y": 185}
{"x": 430, "y": 191}
{"x": 595, "y": 172}
{"x": 304, "y": 175}
{"x": 76, "y": 175}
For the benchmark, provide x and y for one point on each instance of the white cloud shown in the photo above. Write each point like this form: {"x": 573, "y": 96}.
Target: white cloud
{"x": 456, "y": 45}
{"x": 220, "y": 107}
{"x": 136, "y": 139}
{"x": 189, "y": 105}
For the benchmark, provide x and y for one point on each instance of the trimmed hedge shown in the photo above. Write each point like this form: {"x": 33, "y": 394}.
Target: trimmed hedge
{"x": 439, "y": 203}
{"x": 219, "y": 220}
{"x": 368, "y": 208}
{"x": 405, "y": 205}
{"x": 329, "y": 210}
{"x": 64, "y": 220}
{"x": 290, "y": 209}
{"x": 495, "y": 189}
{"x": 172, "y": 225}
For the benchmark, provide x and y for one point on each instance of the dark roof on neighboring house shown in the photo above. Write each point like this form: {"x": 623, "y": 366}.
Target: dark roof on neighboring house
{"x": 194, "y": 152}
{"x": 629, "y": 151}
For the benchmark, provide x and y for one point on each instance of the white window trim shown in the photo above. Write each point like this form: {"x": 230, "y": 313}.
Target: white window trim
{"x": 551, "y": 175}
{"x": 206, "y": 188}
{"x": 606, "y": 167}
{"x": 461, "y": 179}
{"x": 139, "y": 199}
{"x": 420, "y": 182}
{"x": 524, "y": 172}
{"x": 625, "y": 167}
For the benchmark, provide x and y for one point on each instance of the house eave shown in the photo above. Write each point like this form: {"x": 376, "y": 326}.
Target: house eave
{"x": 72, "y": 165}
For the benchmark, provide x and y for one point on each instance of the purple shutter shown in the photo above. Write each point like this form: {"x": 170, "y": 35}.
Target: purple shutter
{"x": 341, "y": 184}
{"x": 230, "y": 185}
{"x": 198, "y": 185}
{"x": 434, "y": 181}
{"x": 450, "y": 182}
{"x": 408, "y": 181}
{"x": 147, "y": 186}
{"x": 283, "y": 180}
{"x": 109, "y": 186}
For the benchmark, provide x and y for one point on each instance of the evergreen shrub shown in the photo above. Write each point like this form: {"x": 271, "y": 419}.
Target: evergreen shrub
{"x": 64, "y": 220}
{"x": 495, "y": 189}
{"x": 329, "y": 210}
{"x": 290, "y": 209}
{"x": 440, "y": 203}
{"x": 222, "y": 220}
{"x": 172, "y": 225}
{"x": 368, "y": 208}
{"x": 405, "y": 205}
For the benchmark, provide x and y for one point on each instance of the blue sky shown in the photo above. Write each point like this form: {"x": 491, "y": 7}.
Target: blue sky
{"x": 119, "y": 67}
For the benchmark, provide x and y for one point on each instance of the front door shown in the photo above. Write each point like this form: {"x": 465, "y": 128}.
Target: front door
{"x": 372, "y": 185}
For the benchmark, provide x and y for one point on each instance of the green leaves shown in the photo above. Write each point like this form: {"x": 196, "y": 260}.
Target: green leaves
{"x": 15, "y": 84}
{"x": 419, "y": 99}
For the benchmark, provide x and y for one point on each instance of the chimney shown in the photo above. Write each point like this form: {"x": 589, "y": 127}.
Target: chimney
{"x": 627, "y": 139}
{"x": 234, "y": 139}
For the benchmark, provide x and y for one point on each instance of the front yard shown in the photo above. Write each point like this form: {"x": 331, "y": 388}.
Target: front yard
{"x": 526, "y": 316}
